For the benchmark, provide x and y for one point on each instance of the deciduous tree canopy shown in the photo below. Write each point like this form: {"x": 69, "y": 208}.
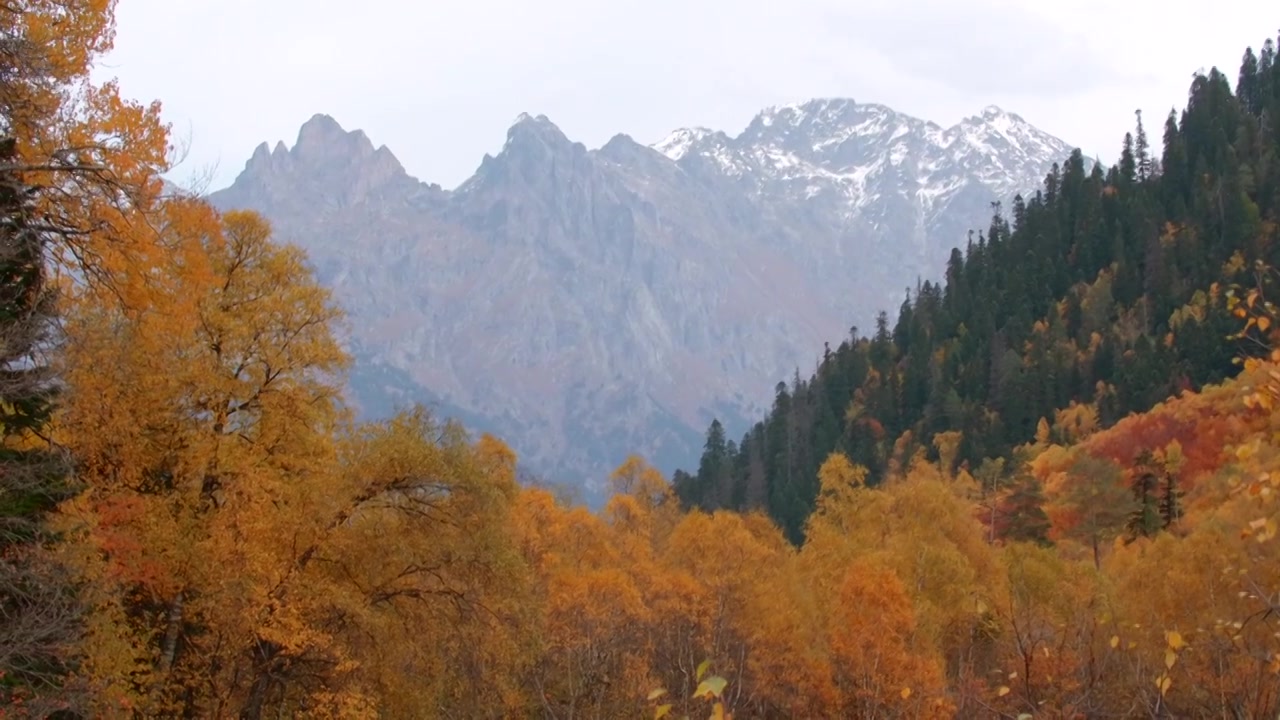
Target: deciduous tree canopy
{"x": 1048, "y": 490}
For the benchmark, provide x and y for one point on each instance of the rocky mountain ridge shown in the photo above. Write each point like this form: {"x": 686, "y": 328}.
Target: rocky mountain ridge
{"x": 586, "y": 304}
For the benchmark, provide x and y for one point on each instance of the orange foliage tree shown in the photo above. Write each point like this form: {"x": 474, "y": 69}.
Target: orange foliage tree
{"x": 233, "y": 518}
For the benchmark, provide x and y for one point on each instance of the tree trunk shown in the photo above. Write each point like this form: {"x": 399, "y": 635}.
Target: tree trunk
{"x": 257, "y": 697}
{"x": 265, "y": 653}
{"x": 169, "y": 650}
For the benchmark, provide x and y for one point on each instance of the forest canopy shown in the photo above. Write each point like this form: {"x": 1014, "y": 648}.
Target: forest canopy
{"x": 1048, "y": 489}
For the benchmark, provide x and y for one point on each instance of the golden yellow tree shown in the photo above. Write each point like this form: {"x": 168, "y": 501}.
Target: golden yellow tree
{"x": 238, "y": 530}
{"x": 755, "y": 619}
{"x": 201, "y": 422}
{"x": 591, "y": 654}
{"x": 417, "y": 571}
{"x": 879, "y": 666}
{"x": 93, "y": 157}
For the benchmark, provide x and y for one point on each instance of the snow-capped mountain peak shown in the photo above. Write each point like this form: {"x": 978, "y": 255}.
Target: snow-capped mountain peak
{"x": 883, "y": 177}
{"x": 681, "y": 141}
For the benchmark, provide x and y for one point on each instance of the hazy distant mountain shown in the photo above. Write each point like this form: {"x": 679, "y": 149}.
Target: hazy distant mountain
{"x": 586, "y": 304}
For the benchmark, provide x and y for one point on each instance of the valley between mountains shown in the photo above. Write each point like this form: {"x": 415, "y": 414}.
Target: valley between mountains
{"x": 585, "y": 304}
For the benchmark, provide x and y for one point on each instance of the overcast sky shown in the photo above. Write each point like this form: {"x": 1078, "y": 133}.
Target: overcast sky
{"x": 440, "y": 81}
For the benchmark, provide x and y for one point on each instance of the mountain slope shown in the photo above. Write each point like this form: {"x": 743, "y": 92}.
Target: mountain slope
{"x": 1100, "y": 295}
{"x": 591, "y": 303}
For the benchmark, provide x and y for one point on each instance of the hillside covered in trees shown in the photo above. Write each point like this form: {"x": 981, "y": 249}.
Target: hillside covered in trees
{"x": 1101, "y": 293}
{"x": 193, "y": 525}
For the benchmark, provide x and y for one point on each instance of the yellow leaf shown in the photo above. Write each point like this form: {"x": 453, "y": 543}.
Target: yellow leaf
{"x": 1170, "y": 657}
{"x": 711, "y": 687}
{"x": 1004, "y": 690}
{"x": 1174, "y": 638}
{"x": 1269, "y": 531}
{"x": 906, "y": 693}
{"x": 702, "y": 668}
{"x": 1115, "y": 641}
{"x": 655, "y": 694}
{"x": 1164, "y": 682}
{"x": 661, "y": 711}
{"x": 1264, "y": 322}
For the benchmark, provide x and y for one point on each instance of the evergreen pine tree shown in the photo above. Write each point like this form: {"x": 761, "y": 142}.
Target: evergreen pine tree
{"x": 1249, "y": 85}
{"x": 1145, "y": 518}
{"x": 1170, "y": 500}
{"x": 1128, "y": 161}
{"x": 1142, "y": 149}
{"x": 1021, "y": 512}
{"x": 37, "y": 610}
{"x": 710, "y": 486}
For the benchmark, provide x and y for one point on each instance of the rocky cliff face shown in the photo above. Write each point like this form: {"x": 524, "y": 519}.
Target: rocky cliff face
{"x": 586, "y": 304}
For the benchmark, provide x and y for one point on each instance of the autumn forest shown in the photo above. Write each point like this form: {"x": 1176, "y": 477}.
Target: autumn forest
{"x": 1046, "y": 489}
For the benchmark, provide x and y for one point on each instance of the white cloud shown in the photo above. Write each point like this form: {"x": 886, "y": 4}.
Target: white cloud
{"x": 439, "y": 82}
